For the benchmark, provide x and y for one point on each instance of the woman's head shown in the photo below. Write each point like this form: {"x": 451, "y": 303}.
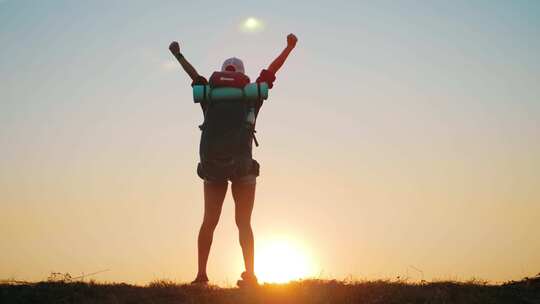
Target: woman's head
{"x": 233, "y": 64}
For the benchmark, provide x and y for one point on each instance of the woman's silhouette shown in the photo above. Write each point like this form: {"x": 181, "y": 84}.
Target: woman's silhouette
{"x": 242, "y": 185}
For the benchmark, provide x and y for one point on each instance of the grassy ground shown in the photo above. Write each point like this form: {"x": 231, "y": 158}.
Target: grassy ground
{"x": 309, "y": 291}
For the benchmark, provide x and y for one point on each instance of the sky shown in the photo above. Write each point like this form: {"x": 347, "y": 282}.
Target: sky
{"x": 401, "y": 138}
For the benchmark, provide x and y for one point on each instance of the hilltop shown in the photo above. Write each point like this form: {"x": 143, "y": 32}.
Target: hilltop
{"x": 298, "y": 292}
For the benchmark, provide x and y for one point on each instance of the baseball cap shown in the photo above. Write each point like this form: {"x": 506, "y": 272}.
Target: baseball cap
{"x": 234, "y": 62}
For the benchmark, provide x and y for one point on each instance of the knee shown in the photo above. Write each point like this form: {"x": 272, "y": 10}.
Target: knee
{"x": 243, "y": 223}
{"x": 209, "y": 224}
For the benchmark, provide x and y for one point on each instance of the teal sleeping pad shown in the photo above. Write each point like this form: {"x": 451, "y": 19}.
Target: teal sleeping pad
{"x": 251, "y": 92}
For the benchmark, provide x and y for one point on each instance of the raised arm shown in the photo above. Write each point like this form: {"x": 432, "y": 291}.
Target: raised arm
{"x": 174, "y": 47}
{"x": 278, "y": 62}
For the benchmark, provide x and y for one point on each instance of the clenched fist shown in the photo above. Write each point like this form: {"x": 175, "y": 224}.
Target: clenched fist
{"x": 174, "y": 47}
{"x": 291, "y": 40}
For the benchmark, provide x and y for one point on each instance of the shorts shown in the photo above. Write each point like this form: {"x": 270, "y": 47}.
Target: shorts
{"x": 246, "y": 179}
{"x": 213, "y": 172}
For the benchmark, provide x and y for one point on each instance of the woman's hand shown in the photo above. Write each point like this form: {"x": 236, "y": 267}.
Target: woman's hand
{"x": 174, "y": 47}
{"x": 291, "y": 40}
{"x": 278, "y": 62}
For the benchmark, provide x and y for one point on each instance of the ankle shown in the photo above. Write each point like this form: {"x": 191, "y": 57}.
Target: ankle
{"x": 248, "y": 274}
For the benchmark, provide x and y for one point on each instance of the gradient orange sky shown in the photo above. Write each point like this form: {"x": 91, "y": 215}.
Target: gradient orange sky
{"x": 399, "y": 136}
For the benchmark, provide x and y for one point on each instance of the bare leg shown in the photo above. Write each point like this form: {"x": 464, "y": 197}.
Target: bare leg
{"x": 244, "y": 196}
{"x": 214, "y": 194}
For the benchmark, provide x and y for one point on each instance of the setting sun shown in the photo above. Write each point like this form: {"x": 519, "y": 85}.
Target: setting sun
{"x": 280, "y": 261}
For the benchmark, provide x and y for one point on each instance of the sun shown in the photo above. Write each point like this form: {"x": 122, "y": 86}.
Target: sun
{"x": 281, "y": 261}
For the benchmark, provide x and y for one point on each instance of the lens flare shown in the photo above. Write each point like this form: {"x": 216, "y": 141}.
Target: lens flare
{"x": 251, "y": 25}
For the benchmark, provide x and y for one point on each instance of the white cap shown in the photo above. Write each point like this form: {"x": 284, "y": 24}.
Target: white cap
{"x": 235, "y": 62}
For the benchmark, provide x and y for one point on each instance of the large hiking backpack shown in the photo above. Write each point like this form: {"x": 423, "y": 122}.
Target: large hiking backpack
{"x": 229, "y": 125}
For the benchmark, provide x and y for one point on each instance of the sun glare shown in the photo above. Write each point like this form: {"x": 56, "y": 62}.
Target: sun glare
{"x": 251, "y": 25}
{"x": 280, "y": 261}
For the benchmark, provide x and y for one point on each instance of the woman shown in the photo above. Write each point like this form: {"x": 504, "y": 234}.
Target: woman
{"x": 242, "y": 185}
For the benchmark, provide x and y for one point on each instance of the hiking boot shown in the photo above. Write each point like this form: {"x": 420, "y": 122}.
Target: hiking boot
{"x": 248, "y": 280}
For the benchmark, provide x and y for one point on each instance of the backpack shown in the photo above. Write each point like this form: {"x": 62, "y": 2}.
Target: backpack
{"x": 225, "y": 148}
